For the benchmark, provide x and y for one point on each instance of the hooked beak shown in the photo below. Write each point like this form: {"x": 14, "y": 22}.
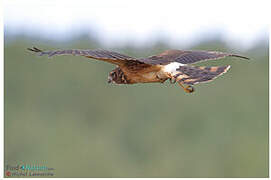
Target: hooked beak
{"x": 109, "y": 80}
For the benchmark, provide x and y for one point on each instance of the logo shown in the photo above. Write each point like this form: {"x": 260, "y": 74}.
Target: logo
{"x": 27, "y": 169}
{"x": 8, "y": 173}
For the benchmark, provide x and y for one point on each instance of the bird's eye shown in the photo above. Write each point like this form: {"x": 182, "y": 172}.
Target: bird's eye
{"x": 114, "y": 75}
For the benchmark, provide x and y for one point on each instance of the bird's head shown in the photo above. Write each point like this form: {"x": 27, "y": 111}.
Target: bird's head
{"x": 117, "y": 77}
{"x": 112, "y": 77}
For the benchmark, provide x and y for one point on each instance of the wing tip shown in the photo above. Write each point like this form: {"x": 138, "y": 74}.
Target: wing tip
{"x": 34, "y": 49}
{"x": 239, "y": 56}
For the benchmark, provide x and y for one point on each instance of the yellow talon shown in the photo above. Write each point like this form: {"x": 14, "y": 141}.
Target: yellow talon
{"x": 188, "y": 89}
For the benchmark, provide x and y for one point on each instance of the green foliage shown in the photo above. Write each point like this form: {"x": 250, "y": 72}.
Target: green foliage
{"x": 63, "y": 112}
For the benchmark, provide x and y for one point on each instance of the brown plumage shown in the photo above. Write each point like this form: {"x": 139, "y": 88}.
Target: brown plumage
{"x": 171, "y": 64}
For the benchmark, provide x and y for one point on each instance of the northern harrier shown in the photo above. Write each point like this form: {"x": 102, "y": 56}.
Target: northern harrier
{"x": 171, "y": 64}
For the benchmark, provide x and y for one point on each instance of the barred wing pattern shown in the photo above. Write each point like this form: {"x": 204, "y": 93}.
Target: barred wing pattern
{"x": 198, "y": 74}
{"x": 187, "y": 57}
{"x": 109, "y": 56}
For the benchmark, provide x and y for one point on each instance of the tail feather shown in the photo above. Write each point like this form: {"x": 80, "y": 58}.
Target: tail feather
{"x": 193, "y": 75}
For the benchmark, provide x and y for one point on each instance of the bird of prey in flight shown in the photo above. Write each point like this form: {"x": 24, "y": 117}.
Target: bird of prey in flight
{"x": 174, "y": 65}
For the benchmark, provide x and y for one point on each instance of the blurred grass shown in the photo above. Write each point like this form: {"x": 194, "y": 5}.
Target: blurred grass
{"x": 63, "y": 112}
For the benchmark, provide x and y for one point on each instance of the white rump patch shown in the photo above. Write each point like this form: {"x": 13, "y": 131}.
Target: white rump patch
{"x": 171, "y": 67}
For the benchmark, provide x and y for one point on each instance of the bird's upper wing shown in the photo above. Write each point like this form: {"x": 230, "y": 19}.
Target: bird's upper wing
{"x": 108, "y": 56}
{"x": 186, "y": 57}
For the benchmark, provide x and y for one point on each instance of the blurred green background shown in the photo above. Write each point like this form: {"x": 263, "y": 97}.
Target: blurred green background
{"x": 62, "y": 112}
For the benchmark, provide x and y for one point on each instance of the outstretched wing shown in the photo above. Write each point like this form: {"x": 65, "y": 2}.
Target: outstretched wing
{"x": 108, "y": 56}
{"x": 187, "y": 57}
{"x": 198, "y": 74}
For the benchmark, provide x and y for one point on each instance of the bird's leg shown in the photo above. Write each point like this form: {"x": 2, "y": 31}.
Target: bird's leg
{"x": 172, "y": 80}
{"x": 188, "y": 89}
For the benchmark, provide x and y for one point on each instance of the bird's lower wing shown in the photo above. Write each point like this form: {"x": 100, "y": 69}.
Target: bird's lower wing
{"x": 108, "y": 56}
{"x": 192, "y": 75}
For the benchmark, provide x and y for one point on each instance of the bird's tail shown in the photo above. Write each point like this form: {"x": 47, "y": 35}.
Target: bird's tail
{"x": 192, "y": 74}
